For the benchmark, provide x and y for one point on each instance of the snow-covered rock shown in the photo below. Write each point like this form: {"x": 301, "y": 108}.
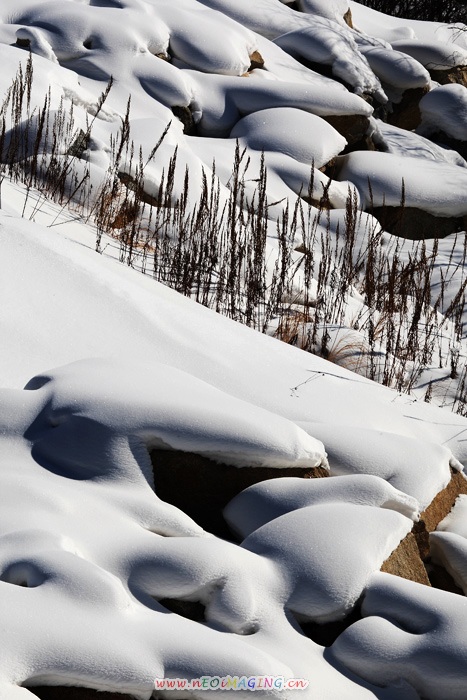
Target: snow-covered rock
{"x": 444, "y": 110}
{"x": 411, "y": 632}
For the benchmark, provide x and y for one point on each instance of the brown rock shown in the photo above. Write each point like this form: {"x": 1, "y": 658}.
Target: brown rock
{"x": 257, "y": 61}
{"x": 186, "y": 117}
{"x": 406, "y": 113}
{"x": 458, "y": 74}
{"x": 132, "y": 184}
{"x": 126, "y": 216}
{"x": 348, "y": 18}
{"x": 201, "y": 488}
{"x": 405, "y": 562}
{"x": 23, "y": 43}
{"x": 438, "y": 509}
{"x": 442, "y": 504}
{"x": 353, "y": 127}
{"x": 416, "y": 224}
{"x": 163, "y": 56}
{"x": 79, "y": 145}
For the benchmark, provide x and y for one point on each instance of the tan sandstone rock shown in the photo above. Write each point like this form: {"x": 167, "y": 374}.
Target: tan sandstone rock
{"x": 348, "y": 18}
{"x": 408, "y": 560}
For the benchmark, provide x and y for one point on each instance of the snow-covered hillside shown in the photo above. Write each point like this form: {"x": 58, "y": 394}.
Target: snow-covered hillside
{"x": 260, "y": 157}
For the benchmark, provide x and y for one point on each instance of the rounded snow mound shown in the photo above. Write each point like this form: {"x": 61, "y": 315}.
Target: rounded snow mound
{"x": 445, "y": 109}
{"x": 332, "y": 9}
{"x": 386, "y": 179}
{"x": 434, "y": 55}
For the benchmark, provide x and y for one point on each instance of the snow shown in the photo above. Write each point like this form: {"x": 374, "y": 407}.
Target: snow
{"x": 330, "y": 44}
{"x": 223, "y": 100}
{"x": 386, "y": 179}
{"x": 443, "y": 109}
{"x": 302, "y": 136}
{"x": 435, "y": 55}
{"x": 332, "y": 9}
{"x": 448, "y": 544}
{"x": 91, "y": 406}
{"x": 411, "y": 632}
{"x": 268, "y": 500}
{"x": 429, "y": 462}
{"x": 101, "y": 364}
{"x": 395, "y": 68}
{"x": 320, "y": 588}
{"x": 390, "y": 29}
{"x": 162, "y": 405}
{"x": 402, "y": 142}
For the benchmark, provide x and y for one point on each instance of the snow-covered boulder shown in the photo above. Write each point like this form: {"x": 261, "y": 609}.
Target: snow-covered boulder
{"x": 444, "y": 116}
{"x": 305, "y": 137}
{"x": 326, "y": 43}
{"x": 396, "y": 189}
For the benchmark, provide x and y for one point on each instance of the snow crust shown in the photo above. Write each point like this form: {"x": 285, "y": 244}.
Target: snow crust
{"x": 330, "y": 44}
{"x": 324, "y": 589}
{"x": 395, "y": 68}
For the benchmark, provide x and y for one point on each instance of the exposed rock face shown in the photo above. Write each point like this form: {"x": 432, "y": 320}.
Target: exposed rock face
{"x": 457, "y": 74}
{"x": 131, "y": 183}
{"x": 186, "y": 117}
{"x": 408, "y": 560}
{"x": 257, "y": 61}
{"x": 416, "y": 224}
{"x": 79, "y": 145}
{"x": 353, "y": 127}
{"x": 442, "y": 504}
{"x": 348, "y": 18}
{"x": 201, "y": 488}
{"x": 406, "y": 113}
